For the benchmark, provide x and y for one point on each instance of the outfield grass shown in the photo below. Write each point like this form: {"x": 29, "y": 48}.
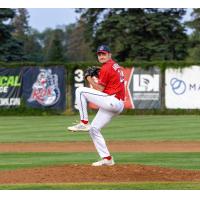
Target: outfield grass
{"x": 54, "y": 128}
{"x": 12, "y": 161}
{"x": 139, "y": 128}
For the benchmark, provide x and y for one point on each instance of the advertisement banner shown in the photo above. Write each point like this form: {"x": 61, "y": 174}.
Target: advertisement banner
{"x": 182, "y": 88}
{"x": 44, "y": 87}
{"x": 145, "y": 88}
{"x": 78, "y": 81}
{"x": 10, "y": 87}
{"x": 142, "y": 88}
{"x": 128, "y": 73}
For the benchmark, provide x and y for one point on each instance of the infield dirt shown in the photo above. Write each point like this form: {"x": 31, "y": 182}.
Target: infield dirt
{"x": 120, "y": 146}
{"x": 86, "y": 173}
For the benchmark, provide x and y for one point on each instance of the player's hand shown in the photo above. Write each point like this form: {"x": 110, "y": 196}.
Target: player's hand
{"x": 91, "y": 71}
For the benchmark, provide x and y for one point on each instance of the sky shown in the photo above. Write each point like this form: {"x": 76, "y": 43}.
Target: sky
{"x": 41, "y": 18}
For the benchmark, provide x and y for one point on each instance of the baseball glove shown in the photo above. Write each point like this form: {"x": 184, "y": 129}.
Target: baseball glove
{"x": 92, "y": 71}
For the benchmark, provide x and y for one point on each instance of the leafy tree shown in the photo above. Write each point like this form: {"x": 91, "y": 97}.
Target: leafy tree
{"x": 194, "y": 38}
{"x": 44, "y": 38}
{"x": 27, "y": 36}
{"x": 33, "y": 47}
{"x": 140, "y": 34}
{"x": 55, "y": 47}
{"x": 20, "y": 22}
{"x": 195, "y": 22}
{"x": 10, "y": 48}
{"x": 66, "y": 43}
{"x": 77, "y": 49}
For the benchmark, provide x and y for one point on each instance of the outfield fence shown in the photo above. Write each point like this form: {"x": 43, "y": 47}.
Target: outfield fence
{"x": 51, "y": 86}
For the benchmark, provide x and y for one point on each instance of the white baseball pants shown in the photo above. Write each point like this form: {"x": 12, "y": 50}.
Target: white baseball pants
{"x": 109, "y": 106}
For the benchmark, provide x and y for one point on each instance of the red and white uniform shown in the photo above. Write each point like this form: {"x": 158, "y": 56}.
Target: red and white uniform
{"x": 112, "y": 78}
{"x": 110, "y": 102}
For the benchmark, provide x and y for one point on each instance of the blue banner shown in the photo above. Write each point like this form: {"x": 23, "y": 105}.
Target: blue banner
{"x": 44, "y": 87}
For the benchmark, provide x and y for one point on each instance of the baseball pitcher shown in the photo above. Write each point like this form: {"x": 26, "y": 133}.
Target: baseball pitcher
{"x": 108, "y": 94}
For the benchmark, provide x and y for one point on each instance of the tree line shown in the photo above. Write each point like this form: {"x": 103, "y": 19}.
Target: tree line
{"x": 132, "y": 34}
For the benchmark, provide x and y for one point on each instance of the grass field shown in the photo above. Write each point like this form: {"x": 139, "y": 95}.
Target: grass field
{"x": 105, "y": 186}
{"x": 27, "y": 160}
{"x": 54, "y": 128}
{"x": 127, "y": 128}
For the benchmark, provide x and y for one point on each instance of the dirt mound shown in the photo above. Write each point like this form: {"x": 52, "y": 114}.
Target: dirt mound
{"x": 86, "y": 173}
{"x": 117, "y": 146}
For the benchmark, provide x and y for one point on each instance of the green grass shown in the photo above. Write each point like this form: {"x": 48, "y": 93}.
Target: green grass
{"x": 139, "y": 128}
{"x": 106, "y": 186}
{"x": 12, "y": 161}
{"x": 124, "y": 127}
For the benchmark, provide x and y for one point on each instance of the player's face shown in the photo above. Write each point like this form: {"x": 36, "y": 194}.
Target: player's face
{"x": 103, "y": 57}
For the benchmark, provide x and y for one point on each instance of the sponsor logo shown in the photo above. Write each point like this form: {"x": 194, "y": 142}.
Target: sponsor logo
{"x": 45, "y": 90}
{"x": 146, "y": 83}
{"x": 178, "y": 86}
{"x": 10, "y": 101}
{"x": 10, "y": 81}
{"x": 3, "y": 89}
{"x": 101, "y": 48}
{"x": 146, "y": 87}
{"x": 195, "y": 87}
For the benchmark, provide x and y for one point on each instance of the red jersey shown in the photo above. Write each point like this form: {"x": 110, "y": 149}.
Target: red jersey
{"x": 112, "y": 78}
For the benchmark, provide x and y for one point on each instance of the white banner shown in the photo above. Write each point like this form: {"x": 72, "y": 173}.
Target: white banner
{"x": 144, "y": 87}
{"x": 182, "y": 88}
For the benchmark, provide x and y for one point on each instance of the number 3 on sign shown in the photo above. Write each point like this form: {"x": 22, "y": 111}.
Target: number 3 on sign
{"x": 79, "y": 76}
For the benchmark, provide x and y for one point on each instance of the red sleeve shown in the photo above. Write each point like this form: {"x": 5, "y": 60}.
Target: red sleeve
{"x": 103, "y": 76}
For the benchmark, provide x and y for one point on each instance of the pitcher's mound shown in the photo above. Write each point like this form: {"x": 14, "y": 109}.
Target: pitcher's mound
{"x": 86, "y": 173}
